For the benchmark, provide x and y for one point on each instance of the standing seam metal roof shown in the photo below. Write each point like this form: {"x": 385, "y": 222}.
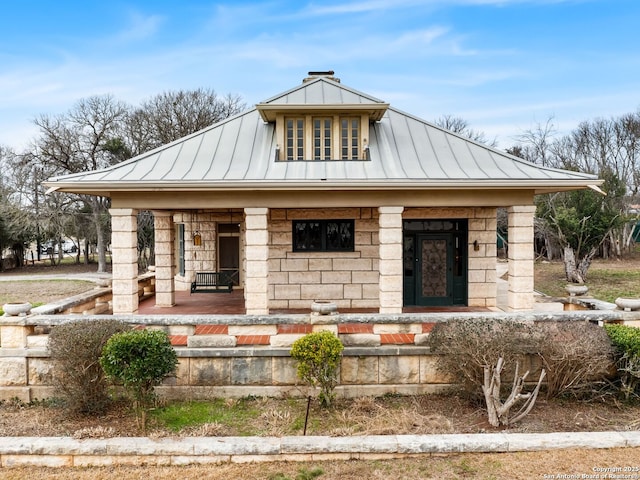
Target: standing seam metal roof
{"x": 242, "y": 149}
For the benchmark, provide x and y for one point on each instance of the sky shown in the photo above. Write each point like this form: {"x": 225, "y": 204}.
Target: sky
{"x": 504, "y": 66}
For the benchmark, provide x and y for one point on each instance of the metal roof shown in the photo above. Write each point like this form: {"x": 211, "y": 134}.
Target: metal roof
{"x": 404, "y": 152}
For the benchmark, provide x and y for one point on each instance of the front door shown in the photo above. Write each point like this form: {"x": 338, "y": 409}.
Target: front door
{"x": 435, "y": 259}
{"x": 435, "y": 266}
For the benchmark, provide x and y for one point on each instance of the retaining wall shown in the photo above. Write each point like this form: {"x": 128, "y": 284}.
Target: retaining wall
{"x": 239, "y": 355}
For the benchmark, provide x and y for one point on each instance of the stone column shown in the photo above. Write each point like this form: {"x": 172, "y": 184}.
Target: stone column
{"x": 521, "y": 257}
{"x": 165, "y": 261}
{"x": 124, "y": 252}
{"x": 256, "y": 280}
{"x": 390, "y": 238}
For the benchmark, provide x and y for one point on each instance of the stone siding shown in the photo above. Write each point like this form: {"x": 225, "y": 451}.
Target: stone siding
{"x": 350, "y": 279}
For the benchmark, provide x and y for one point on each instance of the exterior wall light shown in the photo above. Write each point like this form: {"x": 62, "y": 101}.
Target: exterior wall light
{"x": 476, "y": 246}
{"x": 197, "y": 238}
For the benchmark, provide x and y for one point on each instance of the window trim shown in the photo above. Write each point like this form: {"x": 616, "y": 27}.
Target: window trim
{"x": 323, "y": 235}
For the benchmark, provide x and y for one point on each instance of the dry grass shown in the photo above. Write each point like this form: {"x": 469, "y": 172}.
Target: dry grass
{"x": 512, "y": 466}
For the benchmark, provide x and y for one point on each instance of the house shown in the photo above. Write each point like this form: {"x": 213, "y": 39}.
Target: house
{"x": 323, "y": 192}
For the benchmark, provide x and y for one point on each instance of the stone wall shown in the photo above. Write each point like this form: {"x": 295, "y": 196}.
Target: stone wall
{"x": 239, "y": 355}
{"x": 348, "y": 278}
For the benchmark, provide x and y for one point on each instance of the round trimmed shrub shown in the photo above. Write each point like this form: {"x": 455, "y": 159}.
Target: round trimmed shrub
{"x": 139, "y": 360}
{"x": 318, "y": 355}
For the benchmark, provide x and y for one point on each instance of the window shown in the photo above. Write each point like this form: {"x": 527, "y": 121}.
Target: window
{"x": 323, "y": 235}
{"x": 349, "y": 138}
{"x": 322, "y": 138}
{"x": 181, "y": 268}
{"x": 295, "y": 138}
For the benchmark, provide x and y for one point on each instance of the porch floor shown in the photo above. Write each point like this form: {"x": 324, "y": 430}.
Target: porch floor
{"x": 233, "y": 304}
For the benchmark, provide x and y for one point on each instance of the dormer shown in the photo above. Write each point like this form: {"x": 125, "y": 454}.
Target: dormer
{"x": 321, "y": 120}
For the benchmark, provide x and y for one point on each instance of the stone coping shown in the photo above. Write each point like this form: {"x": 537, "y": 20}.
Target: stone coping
{"x": 71, "y": 452}
{"x": 249, "y": 351}
{"x": 70, "y": 302}
{"x": 368, "y": 318}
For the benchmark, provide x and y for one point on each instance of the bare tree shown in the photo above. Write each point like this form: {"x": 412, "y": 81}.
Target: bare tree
{"x": 461, "y": 126}
{"x": 79, "y": 141}
{"x": 172, "y": 115}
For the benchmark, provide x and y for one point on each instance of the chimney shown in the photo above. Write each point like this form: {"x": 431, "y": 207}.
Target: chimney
{"x": 327, "y": 74}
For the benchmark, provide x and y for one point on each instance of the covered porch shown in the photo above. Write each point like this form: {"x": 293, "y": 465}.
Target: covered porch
{"x": 233, "y": 304}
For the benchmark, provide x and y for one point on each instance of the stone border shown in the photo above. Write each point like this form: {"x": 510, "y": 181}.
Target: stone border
{"x": 136, "y": 451}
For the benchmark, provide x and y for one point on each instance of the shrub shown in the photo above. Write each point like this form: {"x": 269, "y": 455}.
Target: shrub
{"x": 466, "y": 346}
{"x": 476, "y": 351}
{"x": 576, "y": 355}
{"x": 626, "y": 341}
{"x": 318, "y": 356}
{"x": 139, "y": 360}
{"x": 75, "y": 350}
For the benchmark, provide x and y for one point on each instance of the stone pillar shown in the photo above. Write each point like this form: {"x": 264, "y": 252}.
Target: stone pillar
{"x": 256, "y": 280}
{"x": 521, "y": 257}
{"x": 390, "y": 237}
{"x": 124, "y": 252}
{"x": 165, "y": 261}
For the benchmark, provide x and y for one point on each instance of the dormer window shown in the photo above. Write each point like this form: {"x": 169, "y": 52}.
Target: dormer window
{"x": 323, "y": 138}
{"x": 322, "y": 128}
{"x": 350, "y": 138}
{"x": 295, "y": 138}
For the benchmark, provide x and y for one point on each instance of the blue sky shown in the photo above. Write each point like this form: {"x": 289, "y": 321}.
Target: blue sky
{"x": 503, "y": 65}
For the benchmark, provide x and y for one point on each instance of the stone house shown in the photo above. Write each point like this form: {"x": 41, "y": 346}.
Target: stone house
{"x": 323, "y": 192}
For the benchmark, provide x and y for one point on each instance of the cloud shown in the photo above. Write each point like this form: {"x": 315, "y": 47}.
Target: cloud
{"x": 139, "y": 27}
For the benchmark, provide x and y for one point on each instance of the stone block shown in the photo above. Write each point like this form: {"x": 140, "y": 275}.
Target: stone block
{"x": 360, "y": 340}
{"x": 303, "y": 278}
{"x": 294, "y": 264}
{"x": 210, "y": 371}
{"x": 287, "y": 292}
{"x": 13, "y": 371}
{"x": 211, "y": 341}
{"x": 256, "y": 238}
{"x": 359, "y": 370}
{"x": 335, "y": 277}
{"x": 40, "y": 371}
{"x": 353, "y": 291}
{"x": 380, "y": 328}
{"x": 429, "y": 373}
{"x": 321, "y": 292}
{"x": 421, "y": 339}
{"x": 41, "y": 461}
{"x": 284, "y": 371}
{"x": 365, "y": 277}
{"x": 321, "y": 264}
{"x": 390, "y": 266}
{"x": 284, "y": 340}
{"x": 391, "y": 251}
{"x": 21, "y": 393}
{"x": 257, "y": 252}
{"x": 37, "y": 341}
{"x": 251, "y": 371}
{"x": 390, "y": 236}
{"x": 14, "y": 336}
{"x": 391, "y": 283}
{"x": 405, "y": 369}
{"x": 238, "y": 330}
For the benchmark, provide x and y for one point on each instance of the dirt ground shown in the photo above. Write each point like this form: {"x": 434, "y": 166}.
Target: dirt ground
{"x": 38, "y": 292}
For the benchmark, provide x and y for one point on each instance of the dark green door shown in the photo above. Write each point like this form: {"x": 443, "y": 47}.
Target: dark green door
{"x": 434, "y": 282}
{"x": 435, "y": 262}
